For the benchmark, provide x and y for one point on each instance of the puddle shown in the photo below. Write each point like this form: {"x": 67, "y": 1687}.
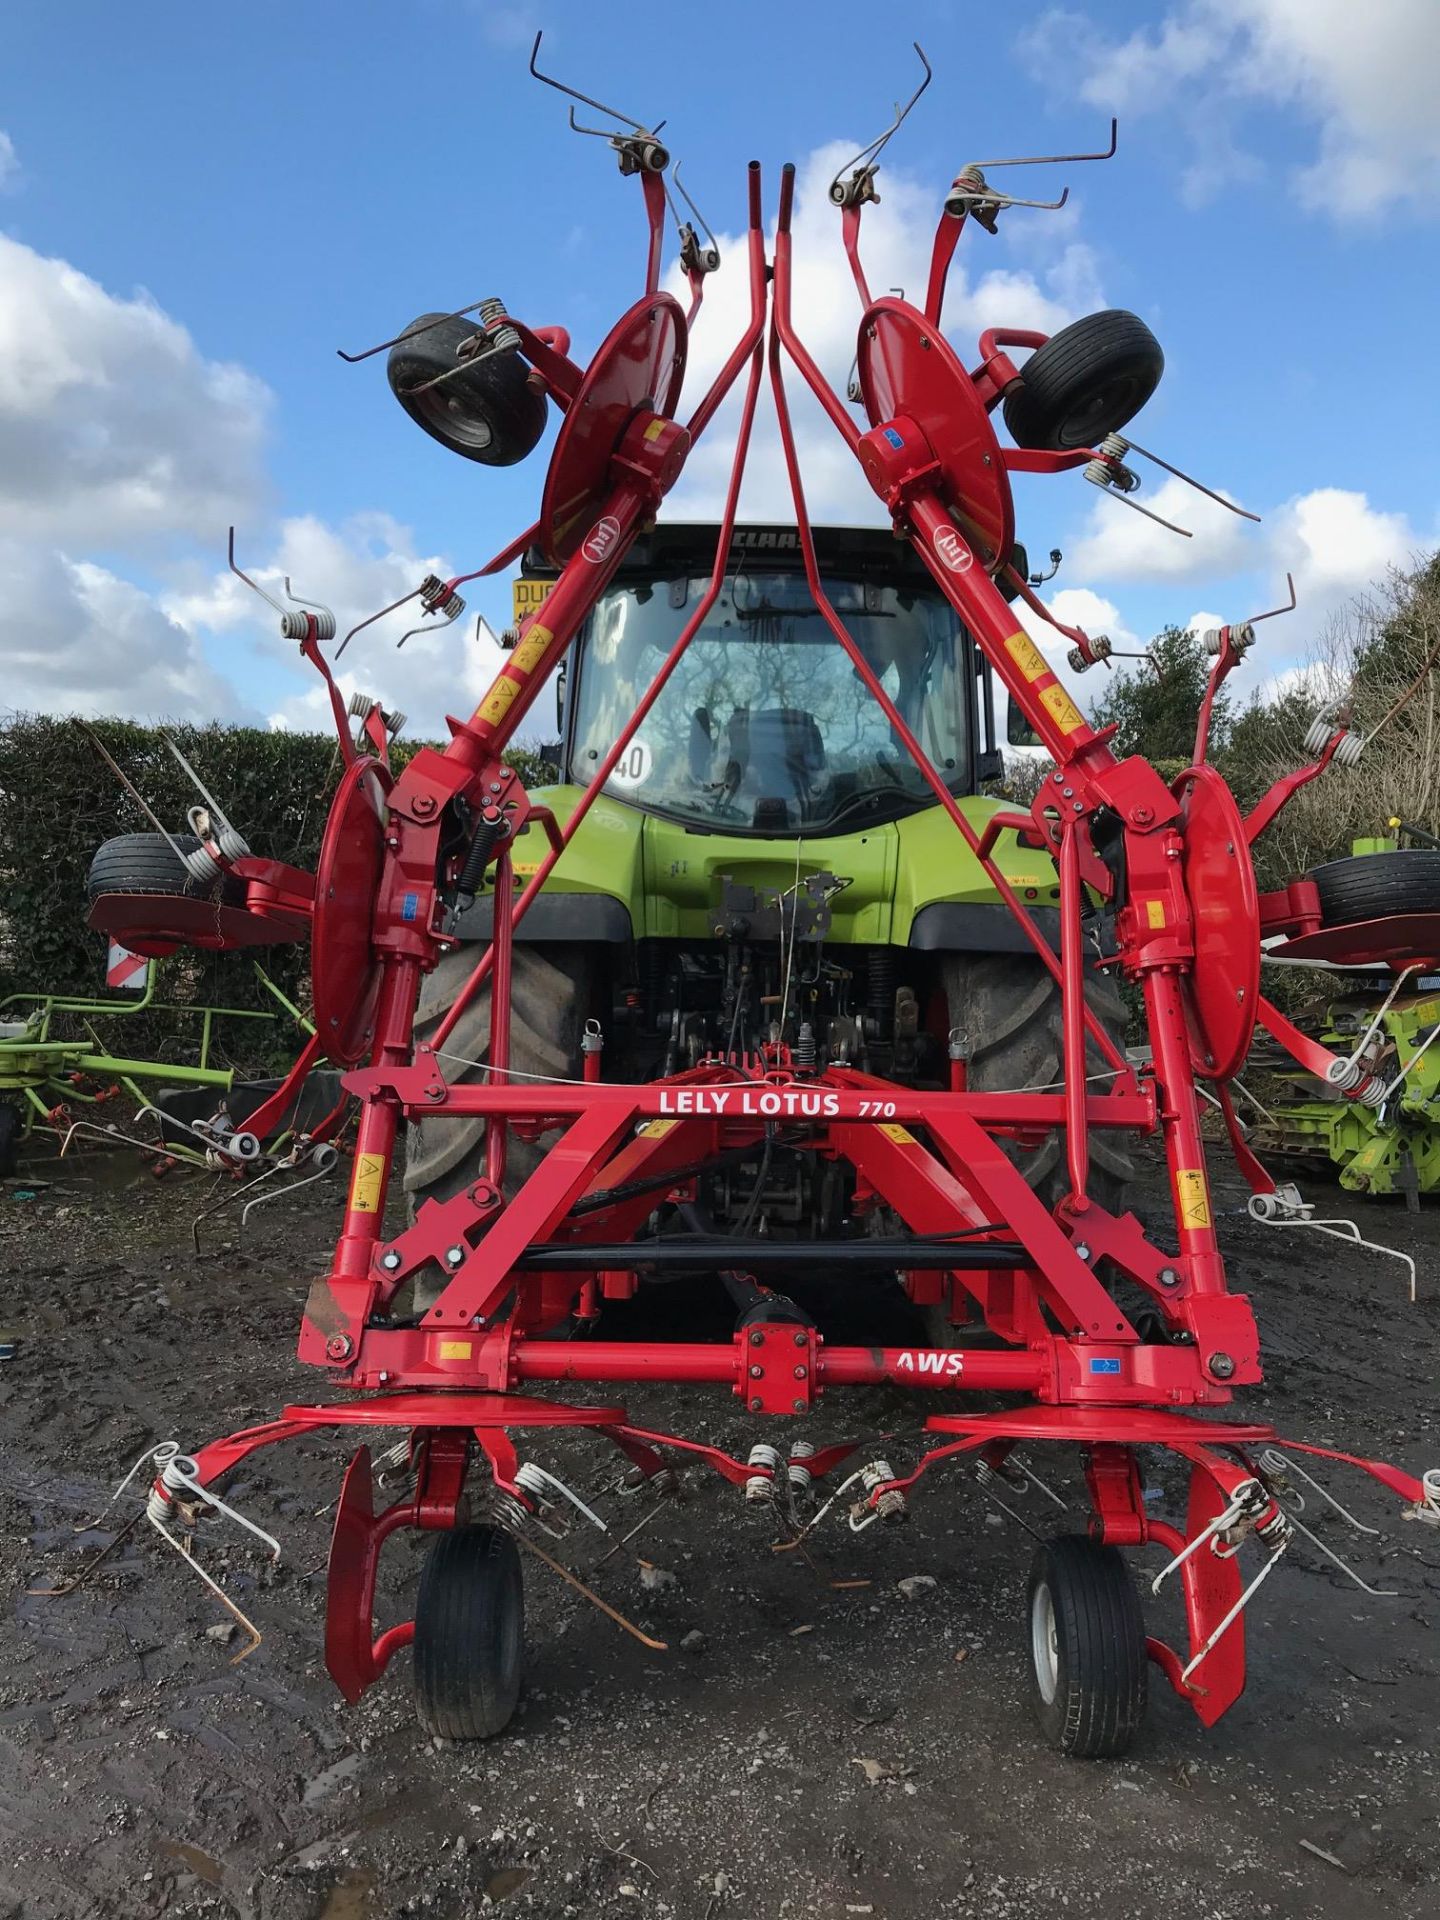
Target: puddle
{"x": 349, "y": 1898}
{"x": 507, "y": 1880}
{"x": 194, "y": 1861}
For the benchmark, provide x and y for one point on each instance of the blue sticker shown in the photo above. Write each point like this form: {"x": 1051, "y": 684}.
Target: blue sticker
{"x": 895, "y": 439}
{"x": 410, "y": 907}
{"x": 1104, "y": 1366}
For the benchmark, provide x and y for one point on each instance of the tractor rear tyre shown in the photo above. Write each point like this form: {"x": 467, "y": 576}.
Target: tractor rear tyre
{"x": 469, "y": 1634}
{"x": 12, "y": 1132}
{"x": 1086, "y": 381}
{"x": 1009, "y": 1007}
{"x": 1370, "y": 886}
{"x": 550, "y": 996}
{"x": 1087, "y": 1648}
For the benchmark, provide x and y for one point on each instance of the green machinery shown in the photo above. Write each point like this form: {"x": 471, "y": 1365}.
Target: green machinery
{"x": 1393, "y": 1021}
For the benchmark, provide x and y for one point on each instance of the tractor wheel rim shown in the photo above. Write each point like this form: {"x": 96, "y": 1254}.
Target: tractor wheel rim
{"x": 1044, "y": 1644}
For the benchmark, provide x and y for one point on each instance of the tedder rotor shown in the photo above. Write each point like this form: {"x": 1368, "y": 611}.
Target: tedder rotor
{"x": 1045, "y": 1300}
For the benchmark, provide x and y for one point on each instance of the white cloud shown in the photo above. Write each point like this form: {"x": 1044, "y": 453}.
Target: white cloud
{"x": 1365, "y": 82}
{"x": 1117, "y": 543}
{"x": 9, "y": 163}
{"x": 1339, "y": 542}
{"x": 80, "y": 639}
{"x": 113, "y": 427}
{"x": 895, "y": 246}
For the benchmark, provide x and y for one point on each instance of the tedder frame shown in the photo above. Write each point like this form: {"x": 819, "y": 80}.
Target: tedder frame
{"x": 1170, "y": 862}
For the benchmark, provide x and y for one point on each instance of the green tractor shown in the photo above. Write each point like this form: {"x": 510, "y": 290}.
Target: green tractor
{"x": 766, "y": 868}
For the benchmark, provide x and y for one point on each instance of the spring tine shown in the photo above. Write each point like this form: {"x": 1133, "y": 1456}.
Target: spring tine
{"x": 205, "y": 794}
{"x": 1044, "y": 1485}
{"x": 575, "y": 94}
{"x": 279, "y": 1192}
{"x": 373, "y": 618}
{"x": 448, "y": 621}
{"x": 314, "y": 606}
{"x": 253, "y": 585}
{"x": 1200, "y": 487}
{"x": 92, "y": 1566}
{"x": 1055, "y": 159}
{"x": 611, "y": 1613}
{"x": 1160, "y": 520}
{"x": 870, "y": 153}
{"x": 1234, "y": 1614}
{"x": 219, "y": 1592}
{"x": 1378, "y": 1593}
{"x": 988, "y": 1492}
{"x": 1288, "y": 608}
{"x": 169, "y": 1457}
{"x": 128, "y": 784}
{"x": 410, "y": 333}
{"x": 1274, "y": 1461}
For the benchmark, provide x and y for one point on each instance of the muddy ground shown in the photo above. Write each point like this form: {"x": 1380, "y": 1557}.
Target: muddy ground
{"x": 816, "y": 1752}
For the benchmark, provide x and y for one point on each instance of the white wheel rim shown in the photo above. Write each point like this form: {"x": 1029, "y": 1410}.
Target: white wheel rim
{"x": 1044, "y": 1644}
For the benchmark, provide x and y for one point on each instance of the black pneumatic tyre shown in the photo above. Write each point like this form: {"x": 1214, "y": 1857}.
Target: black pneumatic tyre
{"x": 1086, "y": 1639}
{"x": 1372, "y": 885}
{"x": 469, "y": 1634}
{"x": 489, "y": 412}
{"x": 147, "y": 863}
{"x": 12, "y": 1132}
{"x": 1086, "y": 381}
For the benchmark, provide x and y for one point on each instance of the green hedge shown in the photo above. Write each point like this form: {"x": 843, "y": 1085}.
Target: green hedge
{"x": 58, "y": 801}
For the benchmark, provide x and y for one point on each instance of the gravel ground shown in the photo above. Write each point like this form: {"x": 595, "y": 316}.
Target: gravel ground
{"x": 814, "y": 1751}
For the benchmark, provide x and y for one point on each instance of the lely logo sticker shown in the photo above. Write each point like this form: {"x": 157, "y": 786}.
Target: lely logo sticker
{"x": 953, "y": 550}
{"x": 601, "y": 539}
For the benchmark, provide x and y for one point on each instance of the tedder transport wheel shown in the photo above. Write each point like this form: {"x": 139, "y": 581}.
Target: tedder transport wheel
{"x": 549, "y": 998}
{"x": 1373, "y": 885}
{"x": 469, "y": 1634}
{"x": 1009, "y": 1008}
{"x": 1086, "y": 381}
{"x": 486, "y": 410}
{"x": 1087, "y": 1647}
{"x": 147, "y": 863}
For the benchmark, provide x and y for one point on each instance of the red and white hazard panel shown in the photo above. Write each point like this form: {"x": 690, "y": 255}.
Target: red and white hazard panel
{"x": 125, "y": 970}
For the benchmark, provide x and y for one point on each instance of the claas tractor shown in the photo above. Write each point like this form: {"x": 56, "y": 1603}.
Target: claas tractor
{"x": 767, "y": 869}
{"x": 733, "y": 1002}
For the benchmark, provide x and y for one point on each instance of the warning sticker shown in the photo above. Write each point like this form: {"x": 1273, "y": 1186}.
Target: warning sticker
{"x": 368, "y": 1180}
{"x": 1194, "y": 1197}
{"x": 1026, "y": 655}
{"x": 456, "y": 1349}
{"x": 497, "y": 702}
{"x": 531, "y": 648}
{"x": 656, "y": 427}
{"x": 902, "y": 1136}
{"x": 1155, "y": 913}
{"x": 1062, "y": 709}
{"x": 527, "y": 597}
{"x": 657, "y": 1129}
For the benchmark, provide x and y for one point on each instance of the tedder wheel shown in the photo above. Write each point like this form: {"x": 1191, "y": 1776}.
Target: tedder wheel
{"x": 1009, "y": 1007}
{"x": 469, "y": 1634}
{"x": 550, "y": 996}
{"x": 147, "y": 863}
{"x": 1087, "y": 1647}
{"x": 1372, "y": 885}
{"x": 1086, "y": 381}
{"x": 488, "y": 411}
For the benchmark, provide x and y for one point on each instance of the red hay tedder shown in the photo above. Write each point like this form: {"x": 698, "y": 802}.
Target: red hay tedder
{"x": 1069, "y": 1317}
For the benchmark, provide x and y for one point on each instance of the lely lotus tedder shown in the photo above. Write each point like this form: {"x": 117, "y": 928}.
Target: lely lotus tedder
{"x": 784, "y": 1051}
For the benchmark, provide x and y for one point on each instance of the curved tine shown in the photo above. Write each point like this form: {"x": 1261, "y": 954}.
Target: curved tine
{"x": 448, "y": 621}
{"x": 279, "y": 1193}
{"x": 575, "y": 94}
{"x": 1055, "y": 159}
{"x": 684, "y": 195}
{"x": 373, "y": 618}
{"x": 868, "y": 155}
{"x": 1200, "y": 487}
{"x": 1045, "y": 206}
{"x": 315, "y": 606}
{"x": 254, "y": 587}
{"x": 410, "y": 333}
{"x": 1288, "y": 608}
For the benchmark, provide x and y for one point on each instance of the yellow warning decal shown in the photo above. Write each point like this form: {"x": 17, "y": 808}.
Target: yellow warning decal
{"x": 656, "y": 427}
{"x": 902, "y": 1136}
{"x": 1061, "y": 708}
{"x": 1026, "y": 655}
{"x": 527, "y": 597}
{"x": 456, "y": 1349}
{"x": 1155, "y": 913}
{"x": 497, "y": 702}
{"x": 1194, "y": 1197}
{"x": 531, "y": 648}
{"x": 657, "y": 1129}
{"x": 365, "y": 1186}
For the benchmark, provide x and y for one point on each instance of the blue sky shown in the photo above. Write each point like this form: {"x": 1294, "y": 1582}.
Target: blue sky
{"x": 197, "y": 206}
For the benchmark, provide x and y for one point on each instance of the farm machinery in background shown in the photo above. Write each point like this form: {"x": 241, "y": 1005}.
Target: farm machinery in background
{"x": 767, "y": 1054}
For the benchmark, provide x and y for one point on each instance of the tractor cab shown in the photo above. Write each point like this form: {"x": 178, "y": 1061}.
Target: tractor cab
{"x": 765, "y": 728}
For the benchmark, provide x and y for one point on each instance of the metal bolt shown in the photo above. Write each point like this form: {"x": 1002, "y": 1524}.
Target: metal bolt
{"x": 339, "y": 1346}
{"x": 454, "y": 1255}
{"x": 1168, "y": 1277}
{"x": 383, "y": 1376}
{"x": 390, "y": 1261}
{"x": 800, "y": 1373}
{"x": 1221, "y": 1365}
{"x": 424, "y": 805}
{"x": 757, "y": 1339}
{"x": 798, "y": 1405}
{"x": 434, "y": 1092}
{"x": 1067, "y": 791}
{"x": 1143, "y": 816}
{"x": 757, "y": 1373}
{"x": 757, "y": 1405}
{"x": 800, "y": 1339}
{"x": 495, "y": 786}
{"x": 1082, "y": 1252}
